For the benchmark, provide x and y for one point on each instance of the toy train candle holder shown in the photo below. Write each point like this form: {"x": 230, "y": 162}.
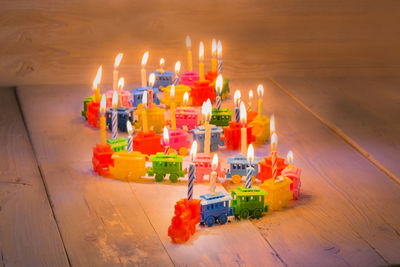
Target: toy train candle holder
{"x": 293, "y": 174}
{"x": 237, "y": 168}
{"x": 201, "y": 91}
{"x": 163, "y": 79}
{"x": 126, "y": 98}
{"x": 278, "y": 192}
{"x": 102, "y": 159}
{"x": 248, "y": 202}
{"x": 128, "y": 166}
{"x": 203, "y": 167}
{"x": 92, "y": 113}
{"x": 86, "y": 101}
{"x": 118, "y": 144}
{"x": 124, "y": 114}
{"x": 221, "y": 117}
{"x": 266, "y": 168}
{"x": 216, "y": 138}
{"x": 180, "y": 90}
{"x": 155, "y": 118}
{"x": 233, "y": 135}
{"x": 179, "y": 140}
{"x": 147, "y": 143}
{"x": 187, "y": 117}
{"x": 163, "y": 164}
{"x": 137, "y": 96}
{"x": 215, "y": 208}
{"x": 189, "y": 77}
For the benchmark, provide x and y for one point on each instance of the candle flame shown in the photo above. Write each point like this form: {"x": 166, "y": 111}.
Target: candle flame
{"x": 165, "y": 136}
{"x": 203, "y": 111}
{"x": 103, "y": 104}
{"x": 201, "y": 51}
{"x": 290, "y": 157}
{"x": 144, "y": 99}
{"x": 152, "y": 79}
{"x": 236, "y": 97}
{"x": 214, "y": 164}
{"x": 206, "y": 110}
{"x": 243, "y": 114}
{"x": 274, "y": 141}
{"x": 214, "y": 47}
{"x": 219, "y": 49}
{"x": 118, "y": 59}
{"x": 188, "y": 42}
{"x": 260, "y": 90}
{"x": 185, "y": 98}
{"x": 272, "y": 124}
{"x": 115, "y": 99}
{"x": 121, "y": 83}
{"x": 129, "y": 127}
{"x": 219, "y": 83}
{"x": 172, "y": 91}
{"x": 97, "y": 79}
{"x": 162, "y": 62}
{"x": 251, "y": 94}
{"x": 145, "y": 58}
{"x": 177, "y": 67}
{"x": 250, "y": 154}
{"x": 193, "y": 151}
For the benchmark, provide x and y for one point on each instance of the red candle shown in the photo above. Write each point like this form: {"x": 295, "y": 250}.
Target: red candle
{"x": 274, "y": 155}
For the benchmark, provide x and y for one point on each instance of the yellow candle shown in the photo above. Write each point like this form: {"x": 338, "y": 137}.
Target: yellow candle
{"x": 144, "y": 112}
{"x": 117, "y": 61}
{"x": 201, "y": 61}
{"x": 214, "y": 55}
{"x": 96, "y": 81}
{"x": 243, "y": 134}
{"x": 173, "y": 118}
{"x": 250, "y": 100}
{"x": 260, "y": 93}
{"x": 103, "y": 120}
{"x": 143, "y": 70}
{"x": 189, "y": 53}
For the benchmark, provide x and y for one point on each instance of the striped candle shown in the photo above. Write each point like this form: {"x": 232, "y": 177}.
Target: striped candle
{"x": 129, "y": 128}
{"x": 274, "y": 155}
{"x": 176, "y": 80}
{"x": 130, "y": 148}
{"x": 192, "y": 169}
{"x": 218, "y": 102}
{"x": 218, "y": 88}
{"x": 237, "y": 114}
{"x": 177, "y": 70}
{"x": 250, "y": 173}
{"x": 236, "y": 99}
{"x": 219, "y": 49}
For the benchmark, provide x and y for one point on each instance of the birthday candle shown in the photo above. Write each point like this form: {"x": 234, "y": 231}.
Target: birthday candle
{"x": 219, "y": 57}
{"x": 130, "y": 139}
{"x": 185, "y": 99}
{"x": 114, "y": 118}
{"x": 144, "y": 112}
{"x": 177, "y": 69}
{"x": 272, "y": 125}
{"x": 290, "y": 159}
{"x": 152, "y": 79}
{"x": 103, "y": 120}
{"x": 173, "y": 117}
{"x": 96, "y": 82}
{"x": 162, "y": 62}
{"x": 250, "y": 100}
{"x": 143, "y": 69}
{"x": 166, "y": 141}
{"x": 250, "y": 169}
{"x": 117, "y": 61}
{"x": 201, "y": 61}
{"x": 121, "y": 83}
{"x": 213, "y": 176}
{"x": 189, "y": 53}
{"x": 236, "y": 98}
{"x": 260, "y": 93}
{"x": 274, "y": 156}
{"x": 218, "y": 89}
{"x": 214, "y": 55}
{"x": 207, "y": 126}
{"x": 243, "y": 135}
{"x": 192, "y": 170}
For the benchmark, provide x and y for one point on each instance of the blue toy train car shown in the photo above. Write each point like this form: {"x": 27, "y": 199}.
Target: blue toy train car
{"x": 215, "y": 208}
{"x": 137, "y": 96}
{"x": 237, "y": 168}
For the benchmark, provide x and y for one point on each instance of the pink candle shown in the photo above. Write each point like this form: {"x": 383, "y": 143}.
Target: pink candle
{"x": 274, "y": 155}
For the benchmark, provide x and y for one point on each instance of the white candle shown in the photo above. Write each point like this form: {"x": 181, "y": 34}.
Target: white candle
{"x": 250, "y": 100}
{"x": 214, "y": 55}
{"x": 213, "y": 176}
{"x": 218, "y": 89}
{"x": 143, "y": 70}
{"x": 117, "y": 61}
{"x": 192, "y": 170}
{"x": 250, "y": 169}
{"x": 130, "y": 139}
{"x": 207, "y": 126}
{"x": 177, "y": 69}
{"x": 243, "y": 120}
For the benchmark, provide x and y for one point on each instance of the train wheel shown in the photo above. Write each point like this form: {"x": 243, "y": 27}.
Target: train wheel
{"x": 210, "y": 221}
{"x": 183, "y": 151}
{"x": 236, "y": 178}
{"x": 257, "y": 213}
{"x": 222, "y": 218}
{"x": 173, "y": 177}
{"x": 159, "y": 177}
{"x": 244, "y": 213}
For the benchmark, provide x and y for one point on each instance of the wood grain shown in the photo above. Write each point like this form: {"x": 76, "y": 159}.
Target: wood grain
{"x": 28, "y": 231}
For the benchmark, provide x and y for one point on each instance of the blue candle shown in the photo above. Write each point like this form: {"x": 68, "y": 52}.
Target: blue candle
{"x": 130, "y": 139}
{"x": 114, "y": 120}
{"x": 218, "y": 88}
{"x": 192, "y": 170}
{"x": 237, "y": 102}
{"x": 250, "y": 169}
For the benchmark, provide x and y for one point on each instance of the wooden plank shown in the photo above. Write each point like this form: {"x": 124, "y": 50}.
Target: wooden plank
{"x": 28, "y": 232}
{"x": 101, "y": 221}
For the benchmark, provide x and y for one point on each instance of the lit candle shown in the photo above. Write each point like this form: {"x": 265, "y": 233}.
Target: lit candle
{"x": 192, "y": 170}
{"x": 177, "y": 70}
{"x": 219, "y": 57}
{"x": 213, "y": 176}
{"x": 236, "y": 98}
{"x": 218, "y": 89}
{"x": 189, "y": 53}
{"x": 103, "y": 120}
{"x": 144, "y": 112}
{"x": 290, "y": 159}
{"x": 162, "y": 63}
{"x": 130, "y": 139}
{"x": 185, "y": 99}
{"x": 274, "y": 155}
{"x": 250, "y": 169}
{"x": 166, "y": 141}
{"x": 172, "y": 96}
{"x": 260, "y": 93}
{"x": 143, "y": 70}
{"x": 96, "y": 82}
{"x": 152, "y": 79}
{"x": 114, "y": 118}
{"x": 207, "y": 126}
{"x": 272, "y": 125}
{"x": 117, "y": 61}
{"x": 201, "y": 61}
{"x": 243, "y": 135}
{"x": 214, "y": 55}
{"x": 121, "y": 84}
{"x": 250, "y": 100}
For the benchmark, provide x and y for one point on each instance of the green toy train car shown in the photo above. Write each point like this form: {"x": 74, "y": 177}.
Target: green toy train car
{"x": 221, "y": 117}
{"x": 163, "y": 164}
{"x": 248, "y": 202}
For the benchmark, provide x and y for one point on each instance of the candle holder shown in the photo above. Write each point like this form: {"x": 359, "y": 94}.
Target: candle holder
{"x": 147, "y": 143}
{"x": 260, "y": 129}
{"x": 189, "y": 77}
{"x": 233, "y": 134}
{"x": 102, "y": 160}
{"x": 124, "y": 114}
{"x": 248, "y": 202}
{"x": 128, "y": 166}
{"x": 126, "y": 98}
{"x": 92, "y": 113}
{"x": 266, "y": 168}
{"x": 166, "y": 164}
{"x": 211, "y": 76}
{"x": 203, "y": 167}
{"x": 215, "y": 208}
{"x": 118, "y": 144}
{"x": 278, "y": 192}
{"x": 293, "y": 174}
{"x": 221, "y": 117}
{"x": 251, "y": 115}
{"x": 155, "y": 118}
{"x": 137, "y": 95}
{"x": 163, "y": 78}
{"x": 186, "y": 116}
{"x": 201, "y": 91}
{"x": 186, "y": 217}
{"x": 238, "y": 168}
{"x": 179, "y": 140}
{"x": 179, "y": 92}
{"x": 85, "y": 103}
{"x": 216, "y": 137}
